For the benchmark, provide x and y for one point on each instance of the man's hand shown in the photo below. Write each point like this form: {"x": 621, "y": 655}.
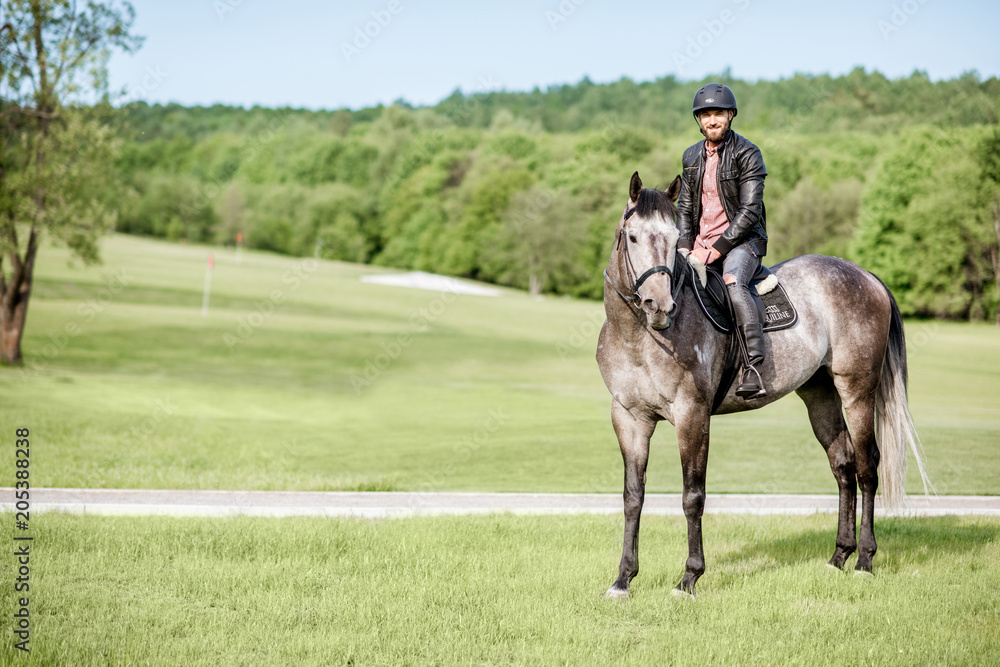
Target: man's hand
{"x": 706, "y": 255}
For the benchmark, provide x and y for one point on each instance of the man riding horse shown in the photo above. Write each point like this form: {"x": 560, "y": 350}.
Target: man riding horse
{"x": 721, "y": 217}
{"x": 663, "y": 359}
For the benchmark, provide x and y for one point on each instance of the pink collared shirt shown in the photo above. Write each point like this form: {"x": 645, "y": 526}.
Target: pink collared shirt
{"x": 713, "y": 222}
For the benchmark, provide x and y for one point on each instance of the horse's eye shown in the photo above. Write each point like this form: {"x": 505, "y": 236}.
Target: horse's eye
{"x": 631, "y": 237}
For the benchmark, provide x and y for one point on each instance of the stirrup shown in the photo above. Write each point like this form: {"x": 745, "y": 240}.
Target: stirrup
{"x": 748, "y": 389}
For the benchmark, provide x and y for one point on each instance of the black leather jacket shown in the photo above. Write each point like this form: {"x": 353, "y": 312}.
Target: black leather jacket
{"x": 741, "y": 186}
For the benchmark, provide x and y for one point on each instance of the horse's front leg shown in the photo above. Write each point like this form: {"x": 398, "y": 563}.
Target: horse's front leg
{"x": 692, "y": 439}
{"x": 633, "y": 438}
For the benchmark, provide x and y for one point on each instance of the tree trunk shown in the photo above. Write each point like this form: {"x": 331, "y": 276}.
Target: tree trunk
{"x": 534, "y": 285}
{"x": 11, "y": 328}
{"x": 14, "y": 303}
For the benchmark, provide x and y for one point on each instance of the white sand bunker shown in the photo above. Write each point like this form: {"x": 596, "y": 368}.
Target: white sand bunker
{"x": 430, "y": 281}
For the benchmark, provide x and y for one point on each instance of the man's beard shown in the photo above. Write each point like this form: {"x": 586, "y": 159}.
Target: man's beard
{"x": 716, "y": 136}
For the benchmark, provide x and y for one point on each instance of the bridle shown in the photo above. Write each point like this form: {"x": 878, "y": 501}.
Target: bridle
{"x": 676, "y": 274}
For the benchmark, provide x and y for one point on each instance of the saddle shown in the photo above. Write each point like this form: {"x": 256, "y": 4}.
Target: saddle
{"x": 775, "y": 309}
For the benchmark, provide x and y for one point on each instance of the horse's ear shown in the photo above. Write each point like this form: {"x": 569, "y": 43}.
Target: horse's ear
{"x": 634, "y": 187}
{"x": 673, "y": 190}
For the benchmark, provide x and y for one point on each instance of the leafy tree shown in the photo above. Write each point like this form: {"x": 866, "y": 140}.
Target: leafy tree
{"x": 512, "y": 144}
{"x": 51, "y": 154}
{"x": 175, "y": 207}
{"x": 467, "y": 246}
{"x": 339, "y": 236}
{"x": 404, "y": 219}
{"x": 271, "y": 216}
{"x": 989, "y": 160}
{"x": 921, "y": 226}
{"x": 319, "y": 163}
{"x": 628, "y": 143}
{"x": 231, "y": 210}
{"x": 811, "y": 219}
{"x": 539, "y": 244}
{"x": 331, "y": 226}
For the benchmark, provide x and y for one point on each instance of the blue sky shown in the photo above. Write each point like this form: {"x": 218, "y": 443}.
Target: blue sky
{"x": 303, "y": 53}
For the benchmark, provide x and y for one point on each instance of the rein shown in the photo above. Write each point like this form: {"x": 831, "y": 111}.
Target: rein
{"x": 677, "y": 274}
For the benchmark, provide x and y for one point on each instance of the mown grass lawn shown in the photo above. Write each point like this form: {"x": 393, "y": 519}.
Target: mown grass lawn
{"x": 501, "y": 590}
{"x": 304, "y": 378}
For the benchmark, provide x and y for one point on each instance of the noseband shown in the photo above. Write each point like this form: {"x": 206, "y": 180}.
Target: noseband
{"x": 676, "y": 274}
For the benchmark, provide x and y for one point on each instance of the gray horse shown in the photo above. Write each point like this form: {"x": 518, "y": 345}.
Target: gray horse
{"x": 662, "y": 360}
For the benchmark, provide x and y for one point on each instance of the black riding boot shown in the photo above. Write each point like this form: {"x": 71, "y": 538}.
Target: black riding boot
{"x": 753, "y": 338}
{"x": 752, "y": 342}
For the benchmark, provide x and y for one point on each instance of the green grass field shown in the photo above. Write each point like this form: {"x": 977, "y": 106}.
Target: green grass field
{"x": 127, "y": 385}
{"x": 502, "y": 590}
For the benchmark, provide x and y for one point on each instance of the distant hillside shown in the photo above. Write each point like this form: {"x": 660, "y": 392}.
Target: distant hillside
{"x": 856, "y": 101}
{"x": 524, "y": 189}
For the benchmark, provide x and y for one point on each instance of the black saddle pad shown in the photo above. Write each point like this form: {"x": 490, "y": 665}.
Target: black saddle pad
{"x": 778, "y": 310}
{"x": 779, "y": 313}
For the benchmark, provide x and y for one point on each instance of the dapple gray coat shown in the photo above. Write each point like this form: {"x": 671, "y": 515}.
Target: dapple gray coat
{"x": 662, "y": 360}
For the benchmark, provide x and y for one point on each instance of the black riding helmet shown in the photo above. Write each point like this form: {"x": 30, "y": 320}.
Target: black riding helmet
{"x": 714, "y": 96}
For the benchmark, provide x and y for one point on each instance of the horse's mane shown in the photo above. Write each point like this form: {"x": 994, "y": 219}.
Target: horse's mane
{"x": 652, "y": 200}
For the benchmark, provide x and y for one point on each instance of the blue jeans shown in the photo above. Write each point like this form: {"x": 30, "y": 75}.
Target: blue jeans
{"x": 742, "y": 263}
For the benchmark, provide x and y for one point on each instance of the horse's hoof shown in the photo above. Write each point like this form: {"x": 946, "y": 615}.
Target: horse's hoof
{"x": 681, "y": 593}
{"x": 834, "y": 567}
{"x": 864, "y": 574}
{"x": 617, "y": 593}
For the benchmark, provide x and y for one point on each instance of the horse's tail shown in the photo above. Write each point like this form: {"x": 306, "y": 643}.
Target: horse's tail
{"x": 894, "y": 424}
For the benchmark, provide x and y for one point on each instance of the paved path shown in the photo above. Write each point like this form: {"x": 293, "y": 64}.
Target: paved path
{"x": 397, "y": 504}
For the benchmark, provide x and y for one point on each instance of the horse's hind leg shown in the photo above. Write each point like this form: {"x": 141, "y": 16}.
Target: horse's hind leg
{"x": 633, "y": 439}
{"x": 824, "y": 406}
{"x": 861, "y": 419}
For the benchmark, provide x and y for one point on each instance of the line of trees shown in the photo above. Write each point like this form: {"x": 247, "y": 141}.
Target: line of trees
{"x": 523, "y": 189}
{"x": 517, "y": 188}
